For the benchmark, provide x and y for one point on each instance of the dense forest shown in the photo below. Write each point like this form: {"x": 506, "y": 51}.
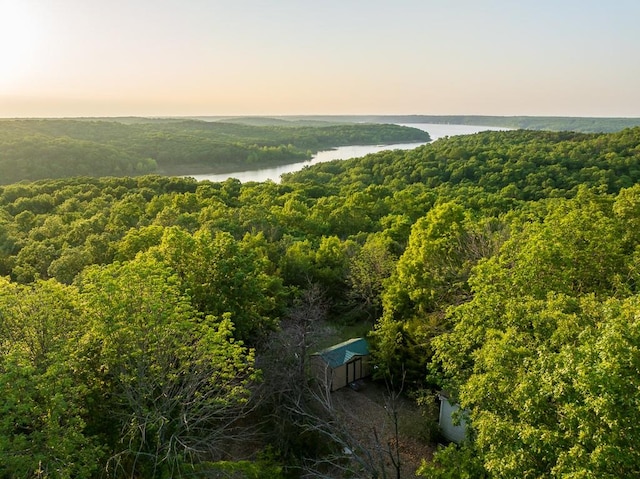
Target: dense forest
{"x": 160, "y": 327}
{"x": 57, "y": 148}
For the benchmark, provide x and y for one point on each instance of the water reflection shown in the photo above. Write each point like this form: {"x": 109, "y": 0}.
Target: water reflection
{"x": 436, "y": 131}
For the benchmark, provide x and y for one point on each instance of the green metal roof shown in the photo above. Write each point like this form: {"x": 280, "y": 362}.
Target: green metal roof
{"x": 343, "y": 353}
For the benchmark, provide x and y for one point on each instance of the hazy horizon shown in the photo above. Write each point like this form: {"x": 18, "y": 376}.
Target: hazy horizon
{"x": 73, "y": 58}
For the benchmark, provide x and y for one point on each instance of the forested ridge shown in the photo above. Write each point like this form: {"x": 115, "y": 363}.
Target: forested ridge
{"x": 56, "y": 148}
{"x": 551, "y": 123}
{"x": 160, "y": 327}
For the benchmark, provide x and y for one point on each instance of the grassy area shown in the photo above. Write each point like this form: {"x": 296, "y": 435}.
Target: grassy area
{"x": 337, "y": 333}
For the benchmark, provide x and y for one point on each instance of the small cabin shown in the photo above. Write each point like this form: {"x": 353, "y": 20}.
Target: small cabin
{"x": 343, "y": 363}
{"x": 451, "y": 420}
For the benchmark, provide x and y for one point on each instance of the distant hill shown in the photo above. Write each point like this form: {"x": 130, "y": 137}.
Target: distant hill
{"x": 285, "y": 122}
{"x": 551, "y": 123}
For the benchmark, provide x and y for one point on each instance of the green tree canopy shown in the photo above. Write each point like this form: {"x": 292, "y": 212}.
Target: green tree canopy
{"x": 174, "y": 380}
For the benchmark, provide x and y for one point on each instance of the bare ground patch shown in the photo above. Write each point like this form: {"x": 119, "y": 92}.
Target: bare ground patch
{"x": 368, "y": 413}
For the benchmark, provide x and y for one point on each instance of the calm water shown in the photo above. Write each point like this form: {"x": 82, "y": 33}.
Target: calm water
{"x": 437, "y": 131}
{"x": 346, "y": 152}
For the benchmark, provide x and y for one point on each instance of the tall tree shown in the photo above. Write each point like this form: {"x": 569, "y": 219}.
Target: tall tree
{"x": 176, "y": 381}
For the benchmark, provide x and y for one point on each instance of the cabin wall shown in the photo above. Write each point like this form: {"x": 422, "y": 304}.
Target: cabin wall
{"x": 339, "y": 377}
{"x": 354, "y": 370}
{"x": 358, "y": 368}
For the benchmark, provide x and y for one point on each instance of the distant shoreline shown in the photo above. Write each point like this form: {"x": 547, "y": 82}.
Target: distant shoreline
{"x": 581, "y": 124}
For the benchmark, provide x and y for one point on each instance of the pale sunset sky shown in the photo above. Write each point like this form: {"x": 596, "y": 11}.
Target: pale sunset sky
{"x": 249, "y": 57}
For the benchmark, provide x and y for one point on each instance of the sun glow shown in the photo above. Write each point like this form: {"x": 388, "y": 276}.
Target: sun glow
{"x": 20, "y": 36}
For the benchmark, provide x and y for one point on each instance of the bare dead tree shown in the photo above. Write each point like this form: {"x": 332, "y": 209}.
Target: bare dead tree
{"x": 304, "y": 325}
{"x": 353, "y": 455}
{"x": 392, "y": 406}
{"x": 284, "y": 362}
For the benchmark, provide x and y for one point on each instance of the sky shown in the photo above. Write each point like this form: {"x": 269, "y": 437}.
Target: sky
{"x": 66, "y": 58}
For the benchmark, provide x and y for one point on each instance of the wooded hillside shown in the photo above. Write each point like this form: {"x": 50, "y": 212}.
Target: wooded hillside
{"x": 50, "y": 148}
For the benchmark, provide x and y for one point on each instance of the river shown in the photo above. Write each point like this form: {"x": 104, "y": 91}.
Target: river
{"x": 436, "y": 131}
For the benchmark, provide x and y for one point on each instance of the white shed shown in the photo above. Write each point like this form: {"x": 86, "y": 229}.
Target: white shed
{"x": 453, "y": 429}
